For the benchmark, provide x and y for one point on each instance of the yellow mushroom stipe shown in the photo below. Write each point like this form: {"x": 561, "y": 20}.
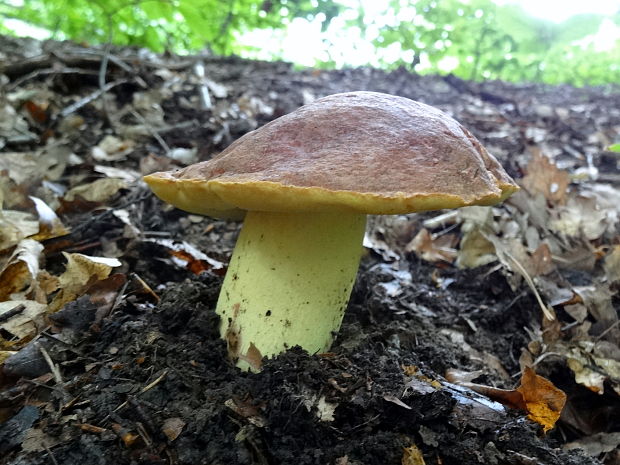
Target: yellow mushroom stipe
{"x": 288, "y": 282}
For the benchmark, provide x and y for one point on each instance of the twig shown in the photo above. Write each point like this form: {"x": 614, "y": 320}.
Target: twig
{"x": 604, "y": 333}
{"x": 89, "y": 98}
{"x": 43, "y": 72}
{"x": 49, "y": 452}
{"x": 146, "y": 388}
{"x": 103, "y": 69}
{"x": 52, "y": 365}
{"x": 153, "y": 132}
{"x": 548, "y": 313}
{"x": 11, "y": 313}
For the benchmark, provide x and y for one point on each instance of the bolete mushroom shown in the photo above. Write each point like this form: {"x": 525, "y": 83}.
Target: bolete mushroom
{"x": 305, "y": 183}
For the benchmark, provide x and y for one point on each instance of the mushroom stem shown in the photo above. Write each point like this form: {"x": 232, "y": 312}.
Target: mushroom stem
{"x": 288, "y": 282}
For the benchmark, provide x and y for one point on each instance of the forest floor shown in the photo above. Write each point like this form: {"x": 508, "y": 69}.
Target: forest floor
{"x": 109, "y": 344}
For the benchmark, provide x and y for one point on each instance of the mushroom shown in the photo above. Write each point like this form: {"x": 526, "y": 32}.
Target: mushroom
{"x": 304, "y": 184}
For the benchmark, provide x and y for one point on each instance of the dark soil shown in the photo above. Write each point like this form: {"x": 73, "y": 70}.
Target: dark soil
{"x": 151, "y": 383}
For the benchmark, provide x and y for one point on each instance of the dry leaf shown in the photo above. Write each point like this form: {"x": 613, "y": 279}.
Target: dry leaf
{"x": 536, "y": 395}
{"x": 544, "y": 177}
{"x": 596, "y": 444}
{"x": 509, "y": 398}
{"x": 590, "y": 367}
{"x": 612, "y": 265}
{"x": 111, "y": 148}
{"x": 172, "y": 428}
{"x": 81, "y": 272}
{"x": 187, "y": 256}
{"x": 36, "y": 440}
{"x": 15, "y": 226}
{"x": 433, "y": 248}
{"x": 598, "y": 300}
{"x": 412, "y": 455}
{"x": 126, "y": 174}
{"x": 248, "y": 409}
{"x": 544, "y": 402}
{"x": 19, "y": 273}
{"x": 590, "y": 213}
{"x": 26, "y": 323}
{"x": 252, "y": 357}
{"x": 475, "y": 250}
{"x": 4, "y": 354}
{"x": 98, "y": 191}
{"x": 28, "y": 167}
{"x": 49, "y": 224}
{"x": 396, "y": 401}
{"x": 325, "y": 410}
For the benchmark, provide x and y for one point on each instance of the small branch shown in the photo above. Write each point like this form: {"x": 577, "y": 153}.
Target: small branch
{"x": 52, "y": 365}
{"x": 11, "y": 313}
{"x": 153, "y": 132}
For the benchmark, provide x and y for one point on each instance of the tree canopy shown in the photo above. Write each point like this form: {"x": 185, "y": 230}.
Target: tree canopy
{"x": 474, "y": 39}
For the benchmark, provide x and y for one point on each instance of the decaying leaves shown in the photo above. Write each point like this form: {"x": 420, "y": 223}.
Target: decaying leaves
{"x": 18, "y": 273}
{"x": 433, "y": 248}
{"x": 536, "y": 395}
{"x": 412, "y": 455}
{"x": 81, "y": 272}
{"x": 98, "y": 191}
{"x": 545, "y": 178}
{"x": 543, "y": 401}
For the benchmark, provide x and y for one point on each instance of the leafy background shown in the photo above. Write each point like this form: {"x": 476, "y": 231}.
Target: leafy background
{"x": 473, "y": 39}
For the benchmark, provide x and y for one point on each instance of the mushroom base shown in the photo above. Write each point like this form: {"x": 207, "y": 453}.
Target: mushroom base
{"x": 288, "y": 282}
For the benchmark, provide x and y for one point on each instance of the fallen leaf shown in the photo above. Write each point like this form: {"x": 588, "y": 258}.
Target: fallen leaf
{"x": 433, "y": 248}
{"x": 323, "y": 409}
{"x": 412, "y": 455}
{"x": 19, "y": 273}
{"x": 589, "y": 213}
{"x": 28, "y": 167}
{"x": 126, "y": 174}
{"x": 172, "y": 428}
{"x": 544, "y": 177}
{"x": 50, "y": 225}
{"x": 126, "y": 435}
{"x": 81, "y": 272}
{"x": 187, "y": 256}
{"x": 475, "y": 250}
{"x": 98, "y": 191}
{"x": 598, "y": 300}
{"x": 612, "y": 265}
{"x": 4, "y": 354}
{"x": 111, "y": 148}
{"x": 252, "y": 357}
{"x": 396, "y": 401}
{"x": 536, "y": 395}
{"x": 248, "y": 409}
{"x": 36, "y": 440}
{"x": 596, "y": 444}
{"x": 544, "y": 401}
{"x": 37, "y": 111}
{"x": 507, "y": 397}
{"x": 15, "y": 226}
{"x": 26, "y": 323}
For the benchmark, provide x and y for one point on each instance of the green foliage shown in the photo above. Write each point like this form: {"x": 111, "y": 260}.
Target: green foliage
{"x": 489, "y": 41}
{"x": 474, "y": 39}
{"x": 175, "y": 25}
{"x": 614, "y": 148}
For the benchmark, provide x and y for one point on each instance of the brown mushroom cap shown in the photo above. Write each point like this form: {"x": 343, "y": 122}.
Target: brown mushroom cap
{"x": 363, "y": 152}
